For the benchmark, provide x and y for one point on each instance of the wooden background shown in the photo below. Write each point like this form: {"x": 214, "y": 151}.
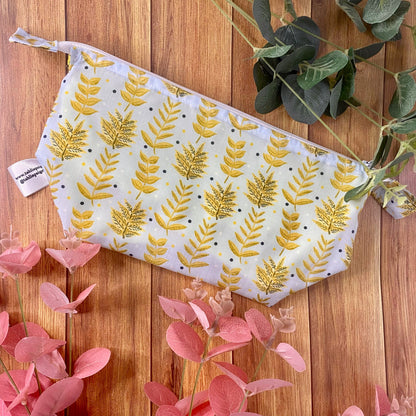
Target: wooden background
{"x": 355, "y": 330}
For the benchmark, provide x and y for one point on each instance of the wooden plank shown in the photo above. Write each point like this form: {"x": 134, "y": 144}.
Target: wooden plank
{"x": 347, "y": 350}
{"x": 397, "y": 254}
{"x": 118, "y": 310}
{"x": 296, "y": 400}
{"x": 29, "y": 79}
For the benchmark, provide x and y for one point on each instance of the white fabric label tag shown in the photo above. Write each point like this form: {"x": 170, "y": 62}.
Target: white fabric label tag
{"x": 29, "y": 176}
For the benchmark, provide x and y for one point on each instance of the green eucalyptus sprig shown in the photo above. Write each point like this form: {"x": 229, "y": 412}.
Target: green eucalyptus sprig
{"x": 289, "y": 73}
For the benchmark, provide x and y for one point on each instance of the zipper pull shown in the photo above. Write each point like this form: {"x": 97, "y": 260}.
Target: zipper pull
{"x": 26, "y": 39}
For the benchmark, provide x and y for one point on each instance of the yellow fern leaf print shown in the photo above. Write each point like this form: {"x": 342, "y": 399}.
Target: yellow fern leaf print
{"x": 272, "y": 277}
{"x": 262, "y": 191}
{"x": 348, "y": 255}
{"x": 173, "y": 89}
{"x": 243, "y": 126}
{"x": 316, "y": 151}
{"x": 288, "y": 236}
{"x": 53, "y": 173}
{"x": 84, "y": 99}
{"x": 100, "y": 177}
{"x": 205, "y": 123}
{"x": 118, "y": 131}
{"x": 343, "y": 175}
{"x": 229, "y": 278}
{"x": 220, "y": 202}
{"x": 248, "y": 236}
{"x": 97, "y": 62}
{"x": 198, "y": 247}
{"x": 68, "y": 143}
{"x": 261, "y": 300}
{"x": 162, "y": 127}
{"x": 135, "y": 88}
{"x": 276, "y": 151}
{"x": 191, "y": 163}
{"x": 82, "y": 222}
{"x": 315, "y": 267}
{"x": 232, "y": 162}
{"x": 332, "y": 217}
{"x": 155, "y": 250}
{"x": 129, "y": 221}
{"x": 174, "y": 211}
{"x": 409, "y": 205}
{"x": 145, "y": 178}
{"x": 120, "y": 248}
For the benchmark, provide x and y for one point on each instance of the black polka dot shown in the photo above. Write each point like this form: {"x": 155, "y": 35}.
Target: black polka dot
{"x": 212, "y": 142}
{"x": 199, "y": 196}
{"x": 232, "y": 130}
{"x": 177, "y": 141}
{"x": 150, "y": 219}
{"x": 305, "y": 227}
{"x": 317, "y": 197}
{"x": 115, "y": 185}
{"x": 211, "y": 178}
{"x": 392, "y": 201}
{"x": 85, "y": 67}
{"x": 292, "y": 275}
{"x": 150, "y": 108}
{"x": 64, "y": 81}
{"x": 89, "y": 150}
{"x": 181, "y": 267}
{"x": 239, "y": 210}
{"x": 145, "y": 146}
{"x": 114, "y": 91}
{"x": 231, "y": 259}
{"x": 131, "y": 255}
{"x": 257, "y": 154}
{"x": 164, "y": 170}
{"x": 63, "y": 186}
{"x": 215, "y": 244}
{"x": 340, "y": 250}
{"x": 60, "y": 115}
{"x": 290, "y": 169}
{"x": 328, "y": 274}
{"x": 353, "y": 231}
{"x": 322, "y": 173}
{"x": 287, "y": 204}
{"x": 183, "y": 115}
{"x": 82, "y": 203}
{"x": 262, "y": 243}
{"x": 45, "y": 136}
{"x": 189, "y": 221}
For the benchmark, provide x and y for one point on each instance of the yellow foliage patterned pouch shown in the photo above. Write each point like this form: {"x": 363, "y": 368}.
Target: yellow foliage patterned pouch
{"x": 165, "y": 175}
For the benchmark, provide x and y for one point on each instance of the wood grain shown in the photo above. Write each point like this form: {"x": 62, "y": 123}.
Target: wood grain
{"x": 354, "y": 330}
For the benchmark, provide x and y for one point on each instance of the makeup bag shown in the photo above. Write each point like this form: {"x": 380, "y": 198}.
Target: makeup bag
{"x": 147, "y": 168}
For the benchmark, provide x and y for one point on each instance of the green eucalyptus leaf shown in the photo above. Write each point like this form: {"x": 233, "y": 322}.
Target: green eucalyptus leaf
{"x": 334, "y": 99}
{"x": 369, "y": 51}
{"x": 390, "y": 27}
{"x": 359, "y": 191}
{"x": 291, "y": 61}
{"x": 321, "y": 68}
{"x": 376, "y": 11}
{"x": 262, "y": 15}
{"x": 317, "y": 98}
{"x": 414, "y": 35}
{"x": 261, "y": 76}
{"x": 272, "y": 52}
{"x": 404, "y": 127}
{"x": 382, "y": 151}
{"x": 410, "y": 70}
{"x": 349, "y": 9}
{"x": 404, "y": 97}
{"x": 290, "y": 9}
{"x": 356, "y": 1}
{"x": 268, "y": 98}
{"x": 400, "y": 159}
{"x": 291, "y": 35}
{"x": 348, "y": 84}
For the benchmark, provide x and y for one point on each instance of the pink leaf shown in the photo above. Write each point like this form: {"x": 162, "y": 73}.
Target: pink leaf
{"x": 383, "y": 404}
{"x": 24, "y": 392}
{"x": 203, "y": 312}
{"x": 31, "y": 348}
{"x": 353, "y": 411}
{"x": 225, "y": 396}
{"x": 245, "y": 414}
{"x": 159, "y": 394}
{"x": 291, "y": 356}
{"x": 7, "y": 391}
{"x": 17, "y": 332}
{"x": 184, "y": 341}
{"x": 231, "y": 346}
{"x": 58, "y": 396}
{"x": 3, "y": 409}
{"x": 266, "y": 384}
{"x": 203, "y": 409}
{"x": 177, "y": 309}
{"x": 233, "y": 329}
{"x": 19, "y": 260}
{"x": 259, "y": 325}
{"x": 167, "y": 410}
{"x": 199, "y": 399}
{"x": 4, "y": 326}
{"x": 91, "y": 362}
{"x": 238, "y": 375}
{"x": 52, "y": 365}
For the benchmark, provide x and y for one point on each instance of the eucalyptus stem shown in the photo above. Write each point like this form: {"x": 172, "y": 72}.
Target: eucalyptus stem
{"x": 243, "y": 13}
{"x": 374, "y": 111}
{"x": 19, "y": 296}
{"x": 182, "y": 378}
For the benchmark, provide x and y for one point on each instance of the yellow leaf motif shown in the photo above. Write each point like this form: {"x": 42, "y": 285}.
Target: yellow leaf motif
{"x": 272, "y": 277}
{"x": 232, "y": 162}
{"x": 83, "y": 101}
{"x": 145, "y": 179}
{"x": 229, "y": 278}
{"x": 162, "y": 127}
{"x": 332, "y": 217}
{"x": 316, "y": 151}
{"x": 173, "y": 89}
{"x": 276, "y": 151}
{"x": 118, "y": 247}
{"x": 53, "y": 172}
{"x": 198, "y": 248}
{"x": 191, "y": 163}
{"x": 100, "y": 177}
{"x": 342, "y": 176}
{"x": 118, "y": 131}
{"x": 220, "y": 202}
{"x": 243, "y": 125}
{"x": 134, "y": 88}
{"x": 263, "y": 301}
{"x": 82, "y": 222}
{"x": 98, "y": 62}
{"x": 156, "y": 248}
{"x": 176, "y": 208}
{"x": 262, "y": 191}
{"x": 204, "y": 125}
{"x": 68, "y": 143}
{"x": 129, "y": 220}
{"x": 408, "y": 207}
{"x": 249, "y": 235}
{"x": 315, "y": 267}
{"x": 348, "y": 255}
{"x": 288, "y": 236}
